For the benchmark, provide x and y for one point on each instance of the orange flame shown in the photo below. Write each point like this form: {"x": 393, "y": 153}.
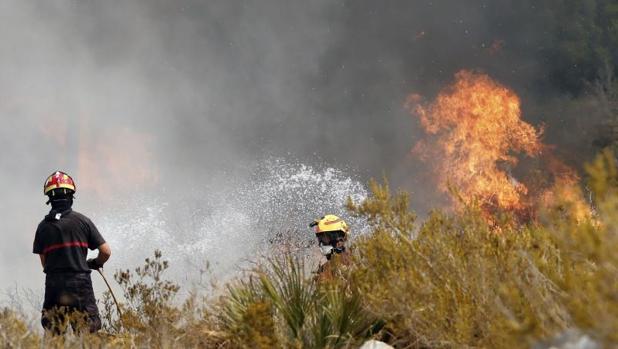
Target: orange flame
{"x": 475, "y": 128}
{"x": 496, "y": 47}
{"x": 565, "y": 194}
{"x": 116, "y": 161}
{"x": 105, "y": 160}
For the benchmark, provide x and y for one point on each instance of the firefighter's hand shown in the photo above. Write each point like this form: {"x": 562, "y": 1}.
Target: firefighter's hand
{"x": 93, "y": 264}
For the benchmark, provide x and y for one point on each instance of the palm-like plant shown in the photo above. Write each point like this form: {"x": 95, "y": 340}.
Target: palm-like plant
{"x": 310, "y": 314}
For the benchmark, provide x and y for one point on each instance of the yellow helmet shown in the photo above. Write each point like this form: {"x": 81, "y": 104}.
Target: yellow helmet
{"x": 330, "y": 223}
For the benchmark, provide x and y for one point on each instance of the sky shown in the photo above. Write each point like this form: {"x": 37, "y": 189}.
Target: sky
{"x": 173, "y": 106}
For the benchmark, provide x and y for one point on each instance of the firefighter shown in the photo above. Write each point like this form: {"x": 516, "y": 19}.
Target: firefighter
{"x": 332, "y": 233}
{"x": 62, "y": 241}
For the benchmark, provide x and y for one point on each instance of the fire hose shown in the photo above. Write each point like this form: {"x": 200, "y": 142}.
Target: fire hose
{"x": 112, "y": 293}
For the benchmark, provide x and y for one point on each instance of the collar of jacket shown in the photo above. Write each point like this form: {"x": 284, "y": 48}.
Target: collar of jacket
{"x": 56, "y": 216}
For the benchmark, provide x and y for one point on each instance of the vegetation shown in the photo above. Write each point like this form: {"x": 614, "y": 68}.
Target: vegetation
{"x": 456, "y": 282}
{"x": 451, "y": 281}
{"x": 282, "y": 306}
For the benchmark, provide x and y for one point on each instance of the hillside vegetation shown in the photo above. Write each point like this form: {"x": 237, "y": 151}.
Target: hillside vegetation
{"x": 452, "y": 280}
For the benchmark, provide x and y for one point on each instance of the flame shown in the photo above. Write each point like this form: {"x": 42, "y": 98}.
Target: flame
{"x": 474, "y": 128}
{"x": 117, "y": 160}
{"x": 565, "y": 194}
{"x": 104, "y": 158}
{"x": 495, "y": 47}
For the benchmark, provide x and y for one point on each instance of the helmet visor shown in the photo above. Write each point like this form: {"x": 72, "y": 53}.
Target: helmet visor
{"x": 330, "y": 237}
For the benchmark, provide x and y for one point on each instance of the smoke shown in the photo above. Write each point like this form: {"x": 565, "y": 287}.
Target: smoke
{"x": 158, "y": 104}
{"x": 148, "y": 103}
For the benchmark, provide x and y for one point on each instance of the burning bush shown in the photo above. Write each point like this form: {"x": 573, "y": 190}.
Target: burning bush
{"x": 475, "y": 136}
{"x": 453, "y": 282}
{"x": 474, "y": 127}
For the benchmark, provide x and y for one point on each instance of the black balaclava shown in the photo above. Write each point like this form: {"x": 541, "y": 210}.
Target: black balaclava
{"x": 60, "y": 202}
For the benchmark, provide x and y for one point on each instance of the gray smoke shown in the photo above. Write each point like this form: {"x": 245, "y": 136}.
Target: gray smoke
{"x": 152, "y": 97}
{"x": 174, "y": 98}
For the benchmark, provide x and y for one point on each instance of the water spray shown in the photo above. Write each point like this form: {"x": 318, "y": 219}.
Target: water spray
{"x": 271, "y": 204}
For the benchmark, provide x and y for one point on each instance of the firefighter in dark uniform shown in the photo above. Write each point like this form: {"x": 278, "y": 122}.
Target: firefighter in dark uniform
{"x": 62, "y": 241}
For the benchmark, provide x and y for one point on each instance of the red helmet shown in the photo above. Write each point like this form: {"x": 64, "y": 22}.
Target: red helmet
{"x": 59, "y": 180}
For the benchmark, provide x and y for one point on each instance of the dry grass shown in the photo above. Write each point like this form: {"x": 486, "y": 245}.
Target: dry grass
{"x": 450, "y": 281}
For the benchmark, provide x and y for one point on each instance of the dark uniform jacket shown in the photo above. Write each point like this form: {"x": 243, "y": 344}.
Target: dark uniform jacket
{"x": 64, "y": 238}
